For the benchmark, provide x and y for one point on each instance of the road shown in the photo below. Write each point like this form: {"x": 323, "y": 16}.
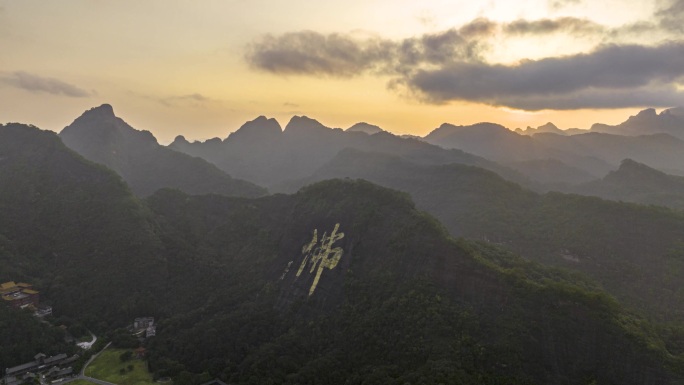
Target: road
{"x": 88, "y": 345}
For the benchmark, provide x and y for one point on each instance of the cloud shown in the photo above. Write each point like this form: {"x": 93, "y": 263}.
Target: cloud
{"x": 34, "y": 83}
{"x": 612, "y": 76}
{"x": 309, "y": 52}
{"x": 671, "y": 16}
{"x": 450, "y": 65}
{"x": 557, "y": 4}
{"x": 571, "y": 25}
{"x": 480, "y": 27}
{"x": 195, "y": 99}
{"x": 340, "y": 55}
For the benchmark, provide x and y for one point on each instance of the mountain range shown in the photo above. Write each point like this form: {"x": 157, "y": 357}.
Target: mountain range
{"x": 340, "y": 277}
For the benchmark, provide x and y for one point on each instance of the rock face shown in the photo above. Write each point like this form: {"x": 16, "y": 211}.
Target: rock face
{"x": 104, "y": 138}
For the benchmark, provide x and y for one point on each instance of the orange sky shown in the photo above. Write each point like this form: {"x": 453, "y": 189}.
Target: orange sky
{"x": 178, "y": 68}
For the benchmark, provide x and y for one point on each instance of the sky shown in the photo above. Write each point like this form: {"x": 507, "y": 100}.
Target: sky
{"x": 203, "y": 68}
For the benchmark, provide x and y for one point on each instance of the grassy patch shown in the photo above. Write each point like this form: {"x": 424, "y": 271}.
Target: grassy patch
{"x": 109, "y": 367}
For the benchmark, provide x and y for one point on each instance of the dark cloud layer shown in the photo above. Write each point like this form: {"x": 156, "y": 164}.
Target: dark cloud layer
{"x": 625, "y": 75}
{"x": 35, "y": 83}
{"x": 313, "y": 53}
{"x": 309, "y": 52}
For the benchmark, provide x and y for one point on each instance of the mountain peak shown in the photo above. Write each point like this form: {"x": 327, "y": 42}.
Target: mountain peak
{"x": 647, "y": 113}
{"x": 97, "y": 115}
{"x": 180, "y": 139}
{"x": 369, "y": 129}
{"x": 103, "y": 111}
{"x": 636, "y": 172}
{"x": 548, "y": 126}
{"x": 259, "y": 128}
{"x": 303, "y": 123}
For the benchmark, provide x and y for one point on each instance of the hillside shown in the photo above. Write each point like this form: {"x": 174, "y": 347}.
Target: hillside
{"x": 633, "y": 251}
{"x": 396, "y": 300}
{"x": 146, "y": 166}
{"x": 73, "y": 229}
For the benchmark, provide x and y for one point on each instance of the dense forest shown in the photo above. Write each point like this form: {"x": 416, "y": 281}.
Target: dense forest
{"x": 344, "y": 281}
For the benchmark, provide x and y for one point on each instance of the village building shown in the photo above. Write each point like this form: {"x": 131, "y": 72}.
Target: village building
{"x": 143, "y": 323}
{"x": 144, "y": 326}
{"x": 19, "y": 295}
{"x": 50, "y": 367}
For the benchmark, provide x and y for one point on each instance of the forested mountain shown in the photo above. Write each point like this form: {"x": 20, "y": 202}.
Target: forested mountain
{"x": 632, "y": 250}
{"x": 73, "y": 229}
{"x": 397, "y": 300}
{"x": 263, "y": 153}
{"x": 636, "y": 182}
{"x": 147, "y": 166}
{"x": 343, "y": 282}
{"x": 23, "y": 335}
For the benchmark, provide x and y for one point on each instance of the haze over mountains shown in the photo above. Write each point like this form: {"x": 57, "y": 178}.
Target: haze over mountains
{"x": 418, "y": 261}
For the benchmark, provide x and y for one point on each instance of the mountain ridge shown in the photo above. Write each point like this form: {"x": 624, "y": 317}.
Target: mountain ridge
{"x": 147, "y": 166}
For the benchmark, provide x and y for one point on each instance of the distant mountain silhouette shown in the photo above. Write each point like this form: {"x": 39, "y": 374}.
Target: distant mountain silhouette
{"x": 489, "y": 140}
{"x": 548, "y": 127}
{"x": 636, "y": 182}
{"x": 648, "y": 122}
{"x": 270, "y": 157}
{"x": 661, "y": 151}
{"x": 496, "y": 142}
{"x": 369, "y": 129}
{"x": 592, "y": 153}
{"x": 147, "y": 166}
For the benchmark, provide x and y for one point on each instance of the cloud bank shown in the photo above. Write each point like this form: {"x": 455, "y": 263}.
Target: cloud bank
{"x": 645, "y": 75}
{"x": 449, "y": 65}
